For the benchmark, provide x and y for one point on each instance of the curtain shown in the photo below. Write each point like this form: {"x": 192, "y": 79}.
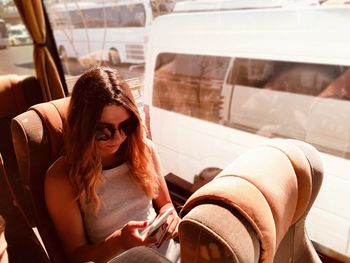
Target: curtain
{"x": 33, "y": 17}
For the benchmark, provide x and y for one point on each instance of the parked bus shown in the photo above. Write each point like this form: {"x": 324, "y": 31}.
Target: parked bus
{"x": 223, "y": 81}
{"x": 116, "y": 31}
{"x": 4, "y": 35}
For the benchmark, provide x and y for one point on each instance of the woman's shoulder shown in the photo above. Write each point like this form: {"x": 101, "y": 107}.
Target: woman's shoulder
{"x": 57, "y": 172}
{"x": 151, "y": 145}
{"x": 60, "y": 192}
{"x": 154, "y": 155}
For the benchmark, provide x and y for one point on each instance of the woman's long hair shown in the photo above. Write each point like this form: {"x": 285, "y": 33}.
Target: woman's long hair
{"x": 96, "y": 88}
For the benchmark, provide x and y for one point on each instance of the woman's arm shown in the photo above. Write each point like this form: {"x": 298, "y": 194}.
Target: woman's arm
{"x": 163, "y": 201}
{"x": 61, "y": 202}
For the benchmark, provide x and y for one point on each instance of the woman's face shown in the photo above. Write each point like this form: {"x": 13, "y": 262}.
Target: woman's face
{"x": 110, "y": 132}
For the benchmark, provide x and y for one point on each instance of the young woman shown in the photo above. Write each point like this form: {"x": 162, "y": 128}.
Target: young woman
{"x": 108, "y": 185}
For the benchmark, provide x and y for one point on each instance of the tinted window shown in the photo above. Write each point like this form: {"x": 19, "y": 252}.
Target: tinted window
{"x": 77, "y": 18}
{"x": 190, "y": 85}
{"x": 94, "y": 17}
{"x": 270, "y": 98}
{"x": 132, "y": 16}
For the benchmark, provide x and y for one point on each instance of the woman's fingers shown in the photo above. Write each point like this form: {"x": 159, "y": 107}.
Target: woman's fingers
{"x": 169, "y": 229}
{"x": 131, "y": 225}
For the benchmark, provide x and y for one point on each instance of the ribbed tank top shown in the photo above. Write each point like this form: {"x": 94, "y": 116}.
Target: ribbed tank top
{"x": 122, "y": 201}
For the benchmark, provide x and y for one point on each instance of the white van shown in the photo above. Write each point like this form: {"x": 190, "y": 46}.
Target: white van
{"x": 19, "y": 35}
{"x": 220, "y": 82}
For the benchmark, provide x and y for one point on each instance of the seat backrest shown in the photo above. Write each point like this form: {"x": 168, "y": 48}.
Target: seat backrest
{"x": 17, "y": 94}
{"x": 3, "y": 244}
{"x": 38, "y": 139}
{"x": 255, "y": 209}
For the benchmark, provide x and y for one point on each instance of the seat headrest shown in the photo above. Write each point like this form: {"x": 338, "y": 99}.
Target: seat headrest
{"x": 54, "y": 117}
{"x": 17, "y": 93}
{"x": 270, "y": 185}
{"x": 12, "y": 98}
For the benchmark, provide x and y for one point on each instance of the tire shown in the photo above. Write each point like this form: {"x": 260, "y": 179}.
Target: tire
{"x": 113, "y": 57}
{"x": 63, "y": 54}
{"x": 64, "y": 59}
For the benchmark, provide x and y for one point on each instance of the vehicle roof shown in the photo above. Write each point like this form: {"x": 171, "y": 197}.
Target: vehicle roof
{"x": 280, "y": 34}
{"x": 210, "y": 5}
{"x": 90, "y": 4}
{"x": 19, "y": 26}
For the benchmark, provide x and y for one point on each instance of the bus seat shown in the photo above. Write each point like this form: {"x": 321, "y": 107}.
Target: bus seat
{"x": 17, "y": 94}
{"x": 38, "y": 138}
{"x": 3, "y": 243}
{"x": 255, "y": 209}
{"x": 138, "y": 255}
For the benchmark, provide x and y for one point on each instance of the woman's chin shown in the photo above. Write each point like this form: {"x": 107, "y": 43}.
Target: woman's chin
{"x": 110, "y": 149}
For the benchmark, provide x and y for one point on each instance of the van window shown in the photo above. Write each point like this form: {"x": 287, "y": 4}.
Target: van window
{"x": 265, "y": 97}
{"x": 190, "y": 84}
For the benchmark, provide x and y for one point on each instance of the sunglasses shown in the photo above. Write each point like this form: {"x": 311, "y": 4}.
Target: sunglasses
{"x": 106, "y": 131}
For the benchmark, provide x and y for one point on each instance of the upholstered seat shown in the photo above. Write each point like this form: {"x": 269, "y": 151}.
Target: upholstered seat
{"x": 255, "y": 209}
{"x": 38, "y": 139}
{"x": 17, "y": 94}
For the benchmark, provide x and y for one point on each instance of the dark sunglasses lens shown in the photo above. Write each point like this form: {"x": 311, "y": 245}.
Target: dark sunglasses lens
{"x": 128, "y": 126}
{"x": 101, "y": 136}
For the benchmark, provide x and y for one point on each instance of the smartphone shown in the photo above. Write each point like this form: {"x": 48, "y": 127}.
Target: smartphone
{"x": 156, "y": 224}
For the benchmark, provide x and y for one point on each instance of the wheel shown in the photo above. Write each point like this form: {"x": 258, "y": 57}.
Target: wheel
{"x": 64, "y": 59}
{"x": 113, "y": 57}
{"x": 62, "y": 53}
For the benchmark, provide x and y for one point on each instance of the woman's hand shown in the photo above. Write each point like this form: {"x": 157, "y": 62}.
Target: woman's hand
{"x": 169, "y": 229}
{"x": 130, "y": 237}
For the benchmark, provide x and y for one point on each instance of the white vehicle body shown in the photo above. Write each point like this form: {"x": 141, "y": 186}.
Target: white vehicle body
{"x": 207, "y": 5}
{"x": 4, "y": 35}
{"x": 19, "y": 35}
{"x": 192, "y": 132}
{"x": 111, "y": 31}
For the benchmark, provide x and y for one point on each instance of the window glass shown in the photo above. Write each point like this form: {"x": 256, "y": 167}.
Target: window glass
{"x": 132, "y": 16}
{"x": 190, "y": 84}
{"x": 77, "y": 19}
{"x": 113, "y": 33}
{"x": 16, "y": 48}
{"x": 113, "y": 16}
{"x": 269, "y": 98}
{"x": 94, "y": 17}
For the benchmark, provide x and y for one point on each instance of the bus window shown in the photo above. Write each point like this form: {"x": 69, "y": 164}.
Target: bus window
{"x": 132, "y": 16}
{"x": 77, "y": 19}
{"x": 16, "y": 50}
{"x": 94, "y": 17}
{"x": 113, "y": 17}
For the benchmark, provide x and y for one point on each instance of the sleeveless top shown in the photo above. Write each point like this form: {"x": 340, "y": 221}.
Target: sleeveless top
{"x": 122, "y": 200}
